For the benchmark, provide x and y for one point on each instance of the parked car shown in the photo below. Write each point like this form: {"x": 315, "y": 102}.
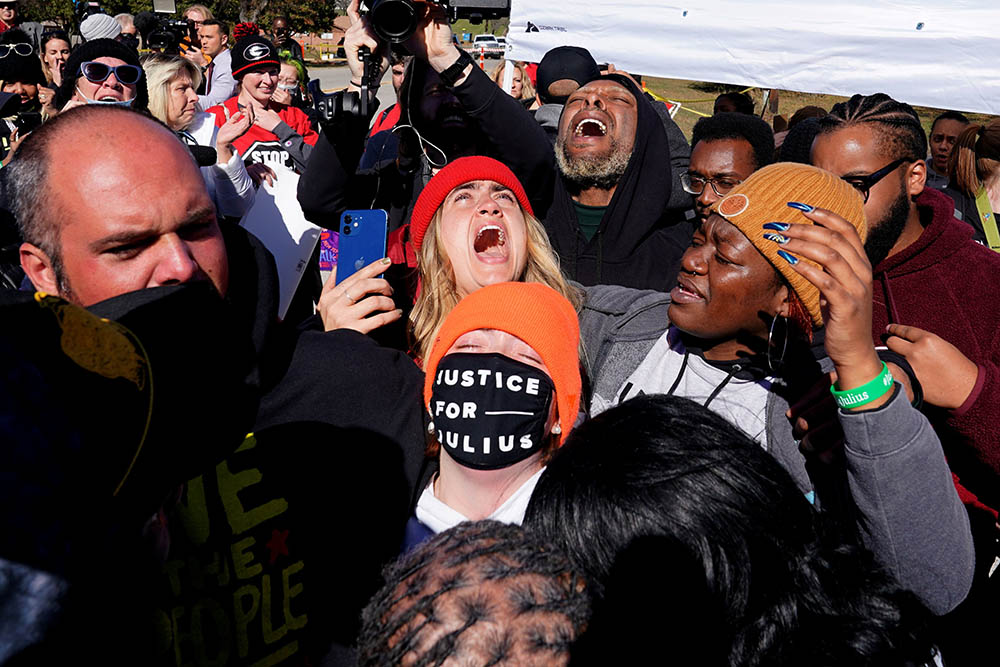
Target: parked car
{"x": 488, "y": 45}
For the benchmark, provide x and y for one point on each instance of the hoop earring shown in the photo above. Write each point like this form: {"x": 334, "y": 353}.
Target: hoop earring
{"x": 771, "y": 363}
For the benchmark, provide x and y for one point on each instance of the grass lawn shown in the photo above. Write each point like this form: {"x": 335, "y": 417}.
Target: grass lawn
{"x": 788, "y": 102}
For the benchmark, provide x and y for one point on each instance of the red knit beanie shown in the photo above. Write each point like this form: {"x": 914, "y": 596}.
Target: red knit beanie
{"x": 535, "y": 313}
{"x": 454, "y": 174}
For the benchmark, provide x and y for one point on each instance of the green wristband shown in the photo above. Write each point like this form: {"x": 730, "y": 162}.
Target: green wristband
{"x": 866, "y": 393}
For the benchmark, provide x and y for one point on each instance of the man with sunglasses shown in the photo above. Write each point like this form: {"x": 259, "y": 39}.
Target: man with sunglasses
{"x": 934, "y": 288}
{"x": 725, "y": 149}
{"x": 102, "y": 71}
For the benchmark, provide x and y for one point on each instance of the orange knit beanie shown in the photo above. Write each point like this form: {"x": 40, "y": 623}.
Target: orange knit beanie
{"x": 535, "y": 313}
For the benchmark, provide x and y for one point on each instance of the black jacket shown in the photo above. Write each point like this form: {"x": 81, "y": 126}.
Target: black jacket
{"x": 640, "y": 240}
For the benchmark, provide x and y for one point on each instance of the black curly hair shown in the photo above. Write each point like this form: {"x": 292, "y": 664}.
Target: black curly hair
{"x": 483, "y": 593}
{"x": 733, "y": 125}
{"x": 746, "y": 570}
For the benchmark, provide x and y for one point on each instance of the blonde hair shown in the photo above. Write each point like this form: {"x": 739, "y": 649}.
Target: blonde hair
{"x": 205, "y": 11}
{"x": 55, "y": 35}
{"x": 439, "y": 294}
{"x": 162, "y": 70}
{"x": 974, "y": 159}
{"x": 527, "y": 89}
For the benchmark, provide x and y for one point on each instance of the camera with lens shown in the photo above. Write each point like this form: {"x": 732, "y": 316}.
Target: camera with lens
{"x": 84, "y": 8}
{"x": 168, "y": 35}
{"x": 168, "y": 32}
{"x": 395, "y": 20}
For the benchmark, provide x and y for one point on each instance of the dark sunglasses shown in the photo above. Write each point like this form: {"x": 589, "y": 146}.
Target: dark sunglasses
{"x": 864, "y": 184}
{"x": 97, "y": 72}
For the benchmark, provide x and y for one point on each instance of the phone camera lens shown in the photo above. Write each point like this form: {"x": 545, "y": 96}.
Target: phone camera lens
{"x": 347, "y": 219}
{"x": 347, "y": 229}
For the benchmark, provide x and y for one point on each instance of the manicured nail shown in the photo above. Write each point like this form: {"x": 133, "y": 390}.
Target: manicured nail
{"x": 791, "y": 259}
{"x": 386, "y": 260}
{"x": 776, "y": 226}
{"x": 777, "y": 238}
{"x": 802, "y": 207}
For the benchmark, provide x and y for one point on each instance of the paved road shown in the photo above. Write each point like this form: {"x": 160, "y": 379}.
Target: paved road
{"x": 334, "y": 78}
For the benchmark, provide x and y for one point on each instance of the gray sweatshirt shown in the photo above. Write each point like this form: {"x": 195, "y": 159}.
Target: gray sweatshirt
{"x": 898, "y": 485}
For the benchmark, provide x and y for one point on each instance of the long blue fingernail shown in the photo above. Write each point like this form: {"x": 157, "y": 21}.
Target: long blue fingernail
{"x": 776, "y": 226}
{"x": 791, "y": 259}
{"x": 802, "y": 207}
{"x": 777, "y": 238}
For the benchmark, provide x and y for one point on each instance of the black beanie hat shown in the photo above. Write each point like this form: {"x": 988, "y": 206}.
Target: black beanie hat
{"x": 15, "y": 67}
{"x": 564, "y": 62}
{"x": 253, "y": 52}
{"x": 100, "y": 48}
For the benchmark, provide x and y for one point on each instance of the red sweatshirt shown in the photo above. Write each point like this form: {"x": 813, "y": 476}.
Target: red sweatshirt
{"x": 946, "y": 283}
{"x": 282, "y": 147}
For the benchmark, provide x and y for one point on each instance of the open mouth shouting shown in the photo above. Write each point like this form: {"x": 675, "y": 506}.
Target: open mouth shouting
{"x": 590, "y": 127}
{"x": 490, "y": 243}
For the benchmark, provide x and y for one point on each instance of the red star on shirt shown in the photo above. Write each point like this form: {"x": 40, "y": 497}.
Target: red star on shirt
{"x": 277, "y": 544}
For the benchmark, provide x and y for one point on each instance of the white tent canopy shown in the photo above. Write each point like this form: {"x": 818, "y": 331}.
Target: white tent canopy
{"x": 927, "y": 53}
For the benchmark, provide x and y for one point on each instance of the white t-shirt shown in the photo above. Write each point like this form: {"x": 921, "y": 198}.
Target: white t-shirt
{"x": 439, "y": 517}
{"x": 742, "y": 402}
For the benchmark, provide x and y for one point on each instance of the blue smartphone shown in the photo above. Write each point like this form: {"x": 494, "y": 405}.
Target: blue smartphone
{"x": 362, "y": 240}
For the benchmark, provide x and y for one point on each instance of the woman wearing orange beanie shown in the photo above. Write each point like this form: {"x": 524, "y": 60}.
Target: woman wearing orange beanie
{"x": 471, "y": 226}
{"x": 774, "y": 293}
{"x": 502, "y": 389}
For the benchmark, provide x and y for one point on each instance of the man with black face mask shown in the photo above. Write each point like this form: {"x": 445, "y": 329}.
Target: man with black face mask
{"x": 934, "y": 288}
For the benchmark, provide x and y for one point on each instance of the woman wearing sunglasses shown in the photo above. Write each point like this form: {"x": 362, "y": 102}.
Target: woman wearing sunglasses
{"x": 102, "y": 71}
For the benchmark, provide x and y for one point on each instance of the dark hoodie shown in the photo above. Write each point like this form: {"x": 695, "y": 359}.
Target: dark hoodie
{"x": 945, "y": 283}
{"x": 639, "y": 242}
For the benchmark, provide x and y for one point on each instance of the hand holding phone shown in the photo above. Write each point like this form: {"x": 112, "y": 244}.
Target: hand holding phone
{"x": 362, "y": 302}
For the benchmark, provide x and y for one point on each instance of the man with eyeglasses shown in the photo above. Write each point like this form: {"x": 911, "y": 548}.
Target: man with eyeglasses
{"x": 934, "y": 288}
{"x": 725, "y": 149}
{"x": 102, "y": 71}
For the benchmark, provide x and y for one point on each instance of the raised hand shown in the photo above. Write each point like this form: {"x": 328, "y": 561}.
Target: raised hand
{"x": 844, "y": 279}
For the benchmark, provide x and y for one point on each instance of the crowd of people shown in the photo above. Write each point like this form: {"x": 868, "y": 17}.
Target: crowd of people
{"x": 611, "y": 396}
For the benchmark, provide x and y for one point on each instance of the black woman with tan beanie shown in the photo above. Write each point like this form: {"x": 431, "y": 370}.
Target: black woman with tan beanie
{"x": 774, "y": 291}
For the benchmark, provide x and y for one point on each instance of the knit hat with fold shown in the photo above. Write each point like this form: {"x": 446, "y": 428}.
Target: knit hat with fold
{"x": 535, "y": 313}
{"x": 462, "y": 170}
{"x": 764, "y": 198}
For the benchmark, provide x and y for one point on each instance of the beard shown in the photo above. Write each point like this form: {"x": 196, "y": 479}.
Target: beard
{"x": 884, "y": 235}
{"x": 593, "y": 171}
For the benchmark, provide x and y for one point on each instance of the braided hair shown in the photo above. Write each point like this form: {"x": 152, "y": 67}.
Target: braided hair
{"x": 482, "y": 593}
{"x": 896, "y": 125}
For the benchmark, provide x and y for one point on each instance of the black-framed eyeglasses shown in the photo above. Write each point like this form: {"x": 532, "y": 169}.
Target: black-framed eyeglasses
{"x": 97, "y": 72}
{"x": 21, "y": 49}
{"x": 695, "y": 185}
{"x": 864, "y": 184}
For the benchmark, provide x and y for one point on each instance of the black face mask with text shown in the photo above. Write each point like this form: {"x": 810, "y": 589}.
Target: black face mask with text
{"x": 489, "y": 411}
